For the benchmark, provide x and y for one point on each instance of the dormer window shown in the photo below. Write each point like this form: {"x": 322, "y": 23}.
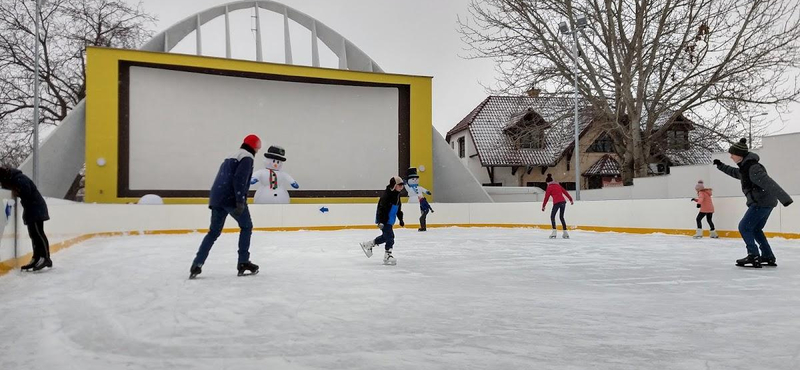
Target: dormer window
{"x": 603, "y": 144}
{"x": 531, "y": 139}
{"x": 526, "y": 129}
{"x": 678, "y": 139}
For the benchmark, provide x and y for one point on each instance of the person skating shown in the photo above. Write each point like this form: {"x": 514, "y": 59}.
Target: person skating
{"x": 34, "y": 214}
{"x": 559, "y": 205}
{"x": 389, "y": 210}
{"x": 229, "y": 197}
{"x": 416, "y": 194}
{"x": 706, "y": 206}
{"x": 763, "y": 194}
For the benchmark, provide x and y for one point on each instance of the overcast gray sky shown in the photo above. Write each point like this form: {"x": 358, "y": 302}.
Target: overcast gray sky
{"x": 410, "y": 37}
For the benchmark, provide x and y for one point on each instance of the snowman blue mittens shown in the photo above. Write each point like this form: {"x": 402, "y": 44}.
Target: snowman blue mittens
{"x": 295, "y": 185}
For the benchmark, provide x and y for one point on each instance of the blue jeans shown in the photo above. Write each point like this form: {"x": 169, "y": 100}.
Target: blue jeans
{"x": 218, "y": 215}
{"x": 387, "y": 236}
{"x": 752, "y": 229}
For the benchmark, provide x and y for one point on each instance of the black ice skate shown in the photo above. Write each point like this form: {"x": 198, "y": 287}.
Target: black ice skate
{"x": 752, "y": 260}
{"x": 194, "y": 271}
{"x": 247, "y": 266}
{"x": 30, "y": 264}
{"x": 38, "y": 264}
{"x": 769, "y": 262}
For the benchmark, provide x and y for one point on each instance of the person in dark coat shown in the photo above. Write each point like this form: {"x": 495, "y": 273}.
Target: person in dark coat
{"x": 389, "y": 210}
{"x": 34, "y": 214}
{"x": 229, "y": 197}
{"x": 762, "y": 193}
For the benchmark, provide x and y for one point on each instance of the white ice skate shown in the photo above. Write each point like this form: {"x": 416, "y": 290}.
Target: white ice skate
{"x": 698, "y": 234}
{"x": 388, "y": 259}
{"x": 554, "y": 234}
{"x": 714, "y": 234}
{"x": 565, "y": 235}
{"x": 367, "y": 247}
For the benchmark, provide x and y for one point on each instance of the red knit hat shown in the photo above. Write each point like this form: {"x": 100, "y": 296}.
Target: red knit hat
{"x": 253, "y": 141}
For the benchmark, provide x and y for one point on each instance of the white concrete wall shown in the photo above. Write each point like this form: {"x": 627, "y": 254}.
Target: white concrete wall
{"x": 778, "y": 155}
{"x": 71, "y": 220}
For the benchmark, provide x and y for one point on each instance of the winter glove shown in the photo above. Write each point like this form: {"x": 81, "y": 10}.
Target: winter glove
{"x": 698, "y": 206}
{"x": 296, "y": 185}
{"x": 380, "y": 226}
{"x": 542, "y": 209}
{"x": 694, "y": 199}
{"x": 788, "y": 203}
{"x": 239, "y": 209}
{"x": 717, "y": 162}
{"x": 428, "y": 192}
{"x": 254, "y": 181}
{"x": 402, "y": 224}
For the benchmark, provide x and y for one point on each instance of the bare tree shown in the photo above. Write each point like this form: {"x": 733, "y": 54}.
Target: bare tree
{"x": 67, "y": 28}
{"x": 645, "y": 62}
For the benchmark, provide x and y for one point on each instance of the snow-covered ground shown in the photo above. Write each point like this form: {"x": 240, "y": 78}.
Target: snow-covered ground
{"x": 459, "y": 298}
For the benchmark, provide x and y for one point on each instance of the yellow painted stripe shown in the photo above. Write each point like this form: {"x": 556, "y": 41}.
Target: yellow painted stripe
{"x": 8, "y": 265}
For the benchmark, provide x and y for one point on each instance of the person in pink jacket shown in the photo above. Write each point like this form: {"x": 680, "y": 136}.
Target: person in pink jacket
{"x": 706, "y": 206}
{"x": 559, "y": 204}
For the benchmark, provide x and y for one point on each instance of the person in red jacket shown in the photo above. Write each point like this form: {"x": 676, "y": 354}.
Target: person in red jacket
{"x": 559, "y": 204}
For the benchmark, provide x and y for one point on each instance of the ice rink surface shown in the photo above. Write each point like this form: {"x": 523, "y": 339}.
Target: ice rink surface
{"x": 459, "y": 298}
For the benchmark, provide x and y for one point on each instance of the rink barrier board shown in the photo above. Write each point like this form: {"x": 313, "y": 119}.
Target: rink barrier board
{"x": 9, "y": 265}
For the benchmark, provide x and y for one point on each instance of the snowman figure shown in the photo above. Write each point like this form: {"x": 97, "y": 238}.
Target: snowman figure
{"x": 416, "y": 194}
{"x": 271, "y": 182}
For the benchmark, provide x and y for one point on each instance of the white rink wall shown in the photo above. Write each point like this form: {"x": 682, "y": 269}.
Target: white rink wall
{"x": 73, "y": 220}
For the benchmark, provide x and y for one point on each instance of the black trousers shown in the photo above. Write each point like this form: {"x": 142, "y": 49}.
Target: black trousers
{"x": 558, "y": 207}
{"x": 41, "y": 247}
{"x": 422, "y": 219}
{"x": 708, "y": 216}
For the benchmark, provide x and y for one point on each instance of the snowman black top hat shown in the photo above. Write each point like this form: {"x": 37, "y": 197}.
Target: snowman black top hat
{"x": 412, "y": 173}
{"x": 276, "y": 152}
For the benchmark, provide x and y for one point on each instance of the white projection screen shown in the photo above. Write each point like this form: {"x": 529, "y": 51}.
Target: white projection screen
{"x": 342, "y": 138}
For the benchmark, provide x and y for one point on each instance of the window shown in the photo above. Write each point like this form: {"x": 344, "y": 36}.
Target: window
{"x": 603, "y": 144}
{"x": 678, "y": 139}
{"x": 595, "y": 182}
{"x": 461, "y": 148}
{"x": 532, "y": 139}
{"x": 537, "y": 184}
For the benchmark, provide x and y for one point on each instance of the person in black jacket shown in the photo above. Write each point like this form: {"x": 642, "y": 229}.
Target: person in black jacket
{"x": 34, "y": 214}
{"x": 762, "y": 193}
{"x": 389, "y": 210}
{"x": 229, "y": 197}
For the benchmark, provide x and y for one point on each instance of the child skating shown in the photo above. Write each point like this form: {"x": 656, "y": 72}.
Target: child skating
{"x": 706, "y": 206}
{"x": 416, "y": 194}
{"x": 389, "y": 210}
{"x": 559, "y": 205}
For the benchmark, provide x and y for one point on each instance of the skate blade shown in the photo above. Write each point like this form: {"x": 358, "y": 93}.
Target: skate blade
{"x": 390, "y": 263}
{"x": 249, "y": 274}
{"x": 192, "y": 276}
{"x": 749, "y": 266}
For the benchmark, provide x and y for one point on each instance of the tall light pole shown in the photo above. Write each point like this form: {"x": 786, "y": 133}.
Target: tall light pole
{"x": 580, "y": 23}
{"x": 750, "y": 129}
{"x": 36, "y": 95}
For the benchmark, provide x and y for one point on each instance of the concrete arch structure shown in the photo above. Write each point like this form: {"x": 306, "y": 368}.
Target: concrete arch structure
{"x": 62, "y": 154}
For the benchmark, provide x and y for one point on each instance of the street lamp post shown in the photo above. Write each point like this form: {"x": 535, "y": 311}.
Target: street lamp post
{"x": 580, "y": 23}
{"x": 750, "y": 129}
{"x": 36, "y": 95}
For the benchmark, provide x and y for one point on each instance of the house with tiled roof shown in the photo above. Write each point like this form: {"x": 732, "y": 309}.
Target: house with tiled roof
{"x": 517, "y": 140}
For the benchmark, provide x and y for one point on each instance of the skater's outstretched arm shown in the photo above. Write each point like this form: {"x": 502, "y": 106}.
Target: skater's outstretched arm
{"x": 760, "y": 177}
{"x": 728, "y": 170}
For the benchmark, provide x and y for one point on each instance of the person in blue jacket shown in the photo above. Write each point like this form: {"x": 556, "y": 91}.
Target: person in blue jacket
{"x": 229, "y": 197}
{"x": 389, "y": 210}
{"x": 34, "y": 214}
